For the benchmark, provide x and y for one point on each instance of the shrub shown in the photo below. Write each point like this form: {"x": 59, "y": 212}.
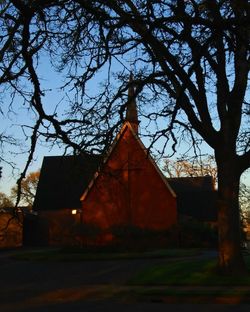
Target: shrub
{"x": 193, "y": 233}
{"x": 137, "y": 238}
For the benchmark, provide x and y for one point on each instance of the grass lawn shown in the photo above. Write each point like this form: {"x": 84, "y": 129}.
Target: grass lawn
{"x": 225, "y": 295}
{"x": 183, "y": 276}
{"x": 183, "y": 267}
{"x": 81, "y": 254}
{"x": 188, "y": 272}
{"x": 190, "y": 281}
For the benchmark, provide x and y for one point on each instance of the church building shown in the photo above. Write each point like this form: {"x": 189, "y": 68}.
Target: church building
{"x": 129, "y": 189}
{"x": 123, "y": 189}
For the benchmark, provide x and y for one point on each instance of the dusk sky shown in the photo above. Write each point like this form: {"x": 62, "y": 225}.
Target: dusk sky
{"x": 53, "y": 98}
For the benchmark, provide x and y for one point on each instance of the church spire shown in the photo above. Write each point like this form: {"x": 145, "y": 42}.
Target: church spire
{"x": 131, "y": 113}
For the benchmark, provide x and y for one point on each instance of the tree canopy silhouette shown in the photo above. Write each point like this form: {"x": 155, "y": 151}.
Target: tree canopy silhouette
{"x": 191, "y": 59}
{"x": 28, "y": 189}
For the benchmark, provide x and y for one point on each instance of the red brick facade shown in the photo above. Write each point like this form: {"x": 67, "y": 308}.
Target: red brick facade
{"x": 129, "y": 189}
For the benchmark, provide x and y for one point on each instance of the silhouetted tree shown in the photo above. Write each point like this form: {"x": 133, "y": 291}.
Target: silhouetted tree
{"x": 244, "y": 199}
{"x": 5, "y": 201}
{"x": 192, "y": 60}
{"x": 193, "y": 167}
{"x": 28, "y": 189}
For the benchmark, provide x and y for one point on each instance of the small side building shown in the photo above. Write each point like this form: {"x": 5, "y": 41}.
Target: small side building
{"x": 197, "y": 211}
{"x": 196, "y": 198}
{"x": 61, "y": 183}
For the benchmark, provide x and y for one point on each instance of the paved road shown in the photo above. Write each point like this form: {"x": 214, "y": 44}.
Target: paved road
{"x": 34, "y": 284}
{"x": 80, "y": 286}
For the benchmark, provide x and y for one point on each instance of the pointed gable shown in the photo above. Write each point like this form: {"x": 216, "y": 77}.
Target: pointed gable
{"x": 129, "y": 189}
{"x": 127, "y": 127}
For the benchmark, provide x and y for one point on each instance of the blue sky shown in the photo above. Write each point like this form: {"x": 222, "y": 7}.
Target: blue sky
{"x": 12, "y": 124}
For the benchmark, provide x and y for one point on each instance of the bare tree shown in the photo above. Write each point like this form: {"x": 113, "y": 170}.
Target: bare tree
{"x": 192, "y": 67}
{"x": 5, "y": 201}
{"x": 244, "y": 199}
{"x": 191, "y": 167}
{"x": 28, "y": 189}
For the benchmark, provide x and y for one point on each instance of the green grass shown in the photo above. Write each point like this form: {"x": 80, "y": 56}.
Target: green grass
{"x": 207, "y": 295}
{"x": 181, "y": 268}
{"x": 188, "y": 272}
{"x": 81, "y": 254}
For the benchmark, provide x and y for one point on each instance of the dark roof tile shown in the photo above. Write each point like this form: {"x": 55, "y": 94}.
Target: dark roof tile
{"x": 196, "y": 197}
{"x": 63, "y": 179}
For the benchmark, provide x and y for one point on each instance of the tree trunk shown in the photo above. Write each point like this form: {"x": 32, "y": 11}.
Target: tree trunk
{"x": 229, "y": 229}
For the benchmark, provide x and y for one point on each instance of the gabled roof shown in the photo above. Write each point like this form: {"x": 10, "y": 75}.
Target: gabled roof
{"x": 62, "y": 180}
{"x": 126, "y": 126}
{"x": 196, "y": 197}
{"x": 194, "y": 184}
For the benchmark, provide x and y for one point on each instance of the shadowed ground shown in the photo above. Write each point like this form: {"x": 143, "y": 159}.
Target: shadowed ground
{"x": 83, "y": 286}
